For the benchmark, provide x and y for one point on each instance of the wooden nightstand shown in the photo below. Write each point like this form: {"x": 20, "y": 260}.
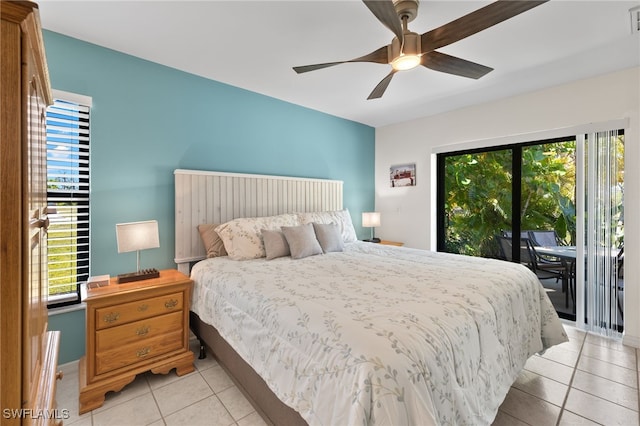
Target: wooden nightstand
{"x": 133, "y": 328}
{"x": 391, "y": 243}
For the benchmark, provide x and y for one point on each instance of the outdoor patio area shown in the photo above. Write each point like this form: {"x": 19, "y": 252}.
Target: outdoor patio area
{"x": 557, "y": 297}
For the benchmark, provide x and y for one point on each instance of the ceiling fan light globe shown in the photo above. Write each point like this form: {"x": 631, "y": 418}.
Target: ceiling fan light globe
{"x": 405, "y": 62}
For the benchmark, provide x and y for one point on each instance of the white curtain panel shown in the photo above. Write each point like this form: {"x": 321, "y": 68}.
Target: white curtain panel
{"x": 604, "y": 229}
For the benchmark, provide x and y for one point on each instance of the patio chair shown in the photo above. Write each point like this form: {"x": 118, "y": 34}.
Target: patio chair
{"x": 523, "y": 234}
{"x": 532, "y": 260}
{"x": 528, "y": 256}
{"x": 545, "y": 238}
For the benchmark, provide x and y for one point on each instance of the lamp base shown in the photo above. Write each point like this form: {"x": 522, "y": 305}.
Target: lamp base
{"x": 144, "y": 274}
{"x": 372, "y": 240}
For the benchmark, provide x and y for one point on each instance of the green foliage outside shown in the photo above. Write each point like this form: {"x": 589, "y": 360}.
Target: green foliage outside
{"x": 62, "y": 241}
{"x": 62, "y": 258}
{"x": 479, "y": 197}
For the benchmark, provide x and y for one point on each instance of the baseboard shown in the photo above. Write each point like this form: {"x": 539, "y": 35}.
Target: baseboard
{"x": 633, "y": 341}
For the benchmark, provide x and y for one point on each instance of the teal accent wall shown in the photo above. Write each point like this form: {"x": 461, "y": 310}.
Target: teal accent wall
{"x": 148, "y": 120}
{"x": 72, "y": 336}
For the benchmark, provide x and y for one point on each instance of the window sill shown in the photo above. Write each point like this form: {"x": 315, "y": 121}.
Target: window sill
{"x": 66, "y": 309}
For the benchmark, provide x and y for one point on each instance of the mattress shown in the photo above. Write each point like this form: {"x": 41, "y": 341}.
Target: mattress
{"x": 378, "y": 334}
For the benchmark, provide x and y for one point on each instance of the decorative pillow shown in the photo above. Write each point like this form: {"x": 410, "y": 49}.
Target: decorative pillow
{"x": 342, "y": 218}
{"x": 302, "y": 241}
{"x": 242, "y": 237}
{"x": 211, "y": 240}
{"x": 275, "y": 244}
{"x": 329, "y": 237}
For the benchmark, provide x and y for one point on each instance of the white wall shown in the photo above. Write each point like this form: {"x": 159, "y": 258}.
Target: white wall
{"x": 408, "y": 213}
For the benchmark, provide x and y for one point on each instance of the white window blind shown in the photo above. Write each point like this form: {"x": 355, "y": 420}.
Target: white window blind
{"x": 67, "y": 198}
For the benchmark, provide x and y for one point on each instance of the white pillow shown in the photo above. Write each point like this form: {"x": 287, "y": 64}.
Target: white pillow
{"x": 242, "y": 237}
{"x": 342, "y": 218}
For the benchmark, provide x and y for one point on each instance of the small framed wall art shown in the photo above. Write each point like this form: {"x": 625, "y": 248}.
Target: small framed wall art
{"x": 403, "y": 175}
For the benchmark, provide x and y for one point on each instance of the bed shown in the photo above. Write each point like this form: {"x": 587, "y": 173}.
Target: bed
{"x": 363, "y": 334}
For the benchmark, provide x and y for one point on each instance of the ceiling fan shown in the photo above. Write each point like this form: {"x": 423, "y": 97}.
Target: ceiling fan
{"x": 408, "y": 49}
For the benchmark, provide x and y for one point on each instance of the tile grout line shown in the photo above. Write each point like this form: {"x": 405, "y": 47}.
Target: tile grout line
{"x": 153, "y": 395}
{"x": 213, "y": 393}
{"x": 580, "y": 356}
{"x": 570, "y": 384}
{"x": 216, "y": 394}
{"x": 162, "y": 416}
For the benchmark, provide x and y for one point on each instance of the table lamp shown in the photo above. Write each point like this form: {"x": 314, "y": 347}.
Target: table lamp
{"x": 371, "y": 220}
{"x": 136, "y": 236}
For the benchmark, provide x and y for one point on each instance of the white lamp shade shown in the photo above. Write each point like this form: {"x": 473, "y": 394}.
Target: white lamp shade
{"x": 370, "y": 219}
{"x": 137, "y": 236}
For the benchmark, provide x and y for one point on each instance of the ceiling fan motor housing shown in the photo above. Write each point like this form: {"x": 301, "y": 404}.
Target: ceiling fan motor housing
{"x": 406, "y": 8}
{"x": 412, "y": 46}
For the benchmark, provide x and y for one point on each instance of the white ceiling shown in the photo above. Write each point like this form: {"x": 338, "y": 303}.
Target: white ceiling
{"x": 255, "y": 44}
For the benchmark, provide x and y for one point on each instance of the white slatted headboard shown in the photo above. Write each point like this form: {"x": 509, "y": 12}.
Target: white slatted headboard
{"x": 217, "y": 197}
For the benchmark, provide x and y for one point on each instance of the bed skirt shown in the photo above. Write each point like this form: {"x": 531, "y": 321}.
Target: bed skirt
{"x": 247, "y": 380}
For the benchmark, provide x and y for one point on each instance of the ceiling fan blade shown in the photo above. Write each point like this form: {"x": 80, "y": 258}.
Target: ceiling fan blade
{"x": 380, "y": 56}
{"x": 386, "y": 13}
{"x": 307, "y": 68}
{"x": 450, "y": 64}
{"x": 382, "y": 86}
{"x": 475, "y": 22}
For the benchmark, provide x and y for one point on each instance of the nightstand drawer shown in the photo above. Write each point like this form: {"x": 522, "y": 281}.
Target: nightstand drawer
{"x": 127, "y": 312}
{"x": 115, "y": 337}
{"x": 136, "y": 352}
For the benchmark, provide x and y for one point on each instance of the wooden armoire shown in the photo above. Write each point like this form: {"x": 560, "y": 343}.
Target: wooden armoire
{"x": 28, "y": 352}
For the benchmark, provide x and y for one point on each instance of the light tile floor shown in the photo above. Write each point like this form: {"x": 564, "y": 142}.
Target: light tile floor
{"x": 206, "y": 396}
{"x": 587, "y": 381}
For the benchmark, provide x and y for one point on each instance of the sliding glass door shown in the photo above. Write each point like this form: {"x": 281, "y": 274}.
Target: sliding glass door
{"x": 571, "y": 189}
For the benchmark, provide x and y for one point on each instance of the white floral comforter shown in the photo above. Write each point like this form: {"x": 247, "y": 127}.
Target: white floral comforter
{"x": 379, "y": 334}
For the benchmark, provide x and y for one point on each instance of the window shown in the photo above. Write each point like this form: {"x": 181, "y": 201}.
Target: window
{"x": 67, "y": 196}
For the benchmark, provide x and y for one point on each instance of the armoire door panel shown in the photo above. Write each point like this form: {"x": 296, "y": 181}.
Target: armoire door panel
{"x": 29, "y": 352}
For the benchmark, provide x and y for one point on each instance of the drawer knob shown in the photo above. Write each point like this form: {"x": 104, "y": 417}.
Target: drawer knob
{"x": 111, "y": 317}
{"x": 143, "y": 308}
{"x": 143, "y": 352}
{"x": 59, "y": 375}
{"x": 170, "y": 304}
{"x": 142, "y": 331}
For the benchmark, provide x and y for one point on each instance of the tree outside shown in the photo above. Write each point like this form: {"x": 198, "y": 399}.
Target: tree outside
{"x": 478, "y": 196}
